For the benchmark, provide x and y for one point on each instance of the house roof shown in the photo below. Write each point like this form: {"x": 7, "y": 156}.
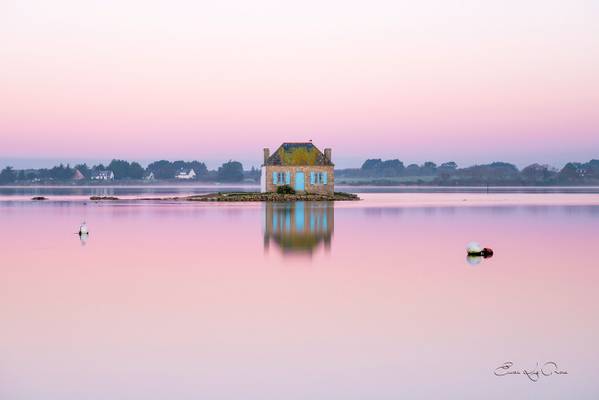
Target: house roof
{"x": 298, "y": 153}
{"x": 77, "y": 175}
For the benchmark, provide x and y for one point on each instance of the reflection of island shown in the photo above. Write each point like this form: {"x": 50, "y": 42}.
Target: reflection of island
{"x": 299, "y": 227}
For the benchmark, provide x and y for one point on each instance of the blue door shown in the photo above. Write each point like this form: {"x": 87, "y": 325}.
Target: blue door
{"x": 299, "y": 181}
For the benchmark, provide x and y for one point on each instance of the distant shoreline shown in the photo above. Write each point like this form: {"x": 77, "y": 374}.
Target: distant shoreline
{"x": 460, "y": 185}
{"x": 341, "y": 183}
{"x": 131, "y": 183}
{"x": 373, "y": 172}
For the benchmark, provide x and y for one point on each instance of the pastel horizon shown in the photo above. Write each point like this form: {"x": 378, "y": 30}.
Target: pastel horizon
{"x": 474, "y": 83}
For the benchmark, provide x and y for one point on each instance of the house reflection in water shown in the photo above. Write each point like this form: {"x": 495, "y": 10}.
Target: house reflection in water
{"x": 299, "y": 227}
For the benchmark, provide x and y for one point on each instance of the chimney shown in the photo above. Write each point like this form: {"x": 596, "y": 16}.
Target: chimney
{"x": 266, "y": 155}
{"x": 327, "y": 154}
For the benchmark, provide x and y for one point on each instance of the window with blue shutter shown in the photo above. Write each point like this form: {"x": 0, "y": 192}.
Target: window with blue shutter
{"x": 274, "y": 178}
{"x": 288, "y": 177}
{"x": 324, "y": 178}
{"x": 312, "y": 180}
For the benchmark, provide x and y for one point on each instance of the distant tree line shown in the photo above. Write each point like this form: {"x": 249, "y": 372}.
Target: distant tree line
{"x": 231, "y": 171}
{"x": 372, "y": 171}
{"x": 378, "y": 171}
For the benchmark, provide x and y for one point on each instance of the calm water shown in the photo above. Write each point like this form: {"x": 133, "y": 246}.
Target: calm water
{"x": 362, "y": 300}
{"x": 68, "y": 193}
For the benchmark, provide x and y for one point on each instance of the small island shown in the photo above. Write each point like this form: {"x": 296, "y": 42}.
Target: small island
{"x": 272, "y": 196}
{"x": 98, "y": 198}
{"x": 263, "y": 197}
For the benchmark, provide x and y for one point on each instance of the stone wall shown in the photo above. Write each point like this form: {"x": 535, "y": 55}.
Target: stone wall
{"x": 328, "y": 188}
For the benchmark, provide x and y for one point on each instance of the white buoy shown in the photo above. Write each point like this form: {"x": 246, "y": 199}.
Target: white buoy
{"x": 83, "y": 229}
{"x": 473, "y": 260}
{"x": 474, "y": 248}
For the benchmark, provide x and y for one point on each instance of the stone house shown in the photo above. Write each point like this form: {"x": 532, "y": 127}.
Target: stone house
{"x": 299, "y": 165}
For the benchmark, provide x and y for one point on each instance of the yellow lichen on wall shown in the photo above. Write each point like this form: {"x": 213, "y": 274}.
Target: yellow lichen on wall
{"x": 298, "y": 156}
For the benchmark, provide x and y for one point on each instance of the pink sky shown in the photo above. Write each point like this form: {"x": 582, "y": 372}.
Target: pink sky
{"x": 436, "y": 80}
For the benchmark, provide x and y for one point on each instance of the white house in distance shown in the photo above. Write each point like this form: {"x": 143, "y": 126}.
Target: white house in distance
{"x": 105, "y": 175}
{"x": 186, "y": 174}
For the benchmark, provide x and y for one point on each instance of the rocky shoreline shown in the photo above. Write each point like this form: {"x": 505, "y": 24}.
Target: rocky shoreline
{"x": 262, "y": 197}
{"x": 235, "y": 197}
